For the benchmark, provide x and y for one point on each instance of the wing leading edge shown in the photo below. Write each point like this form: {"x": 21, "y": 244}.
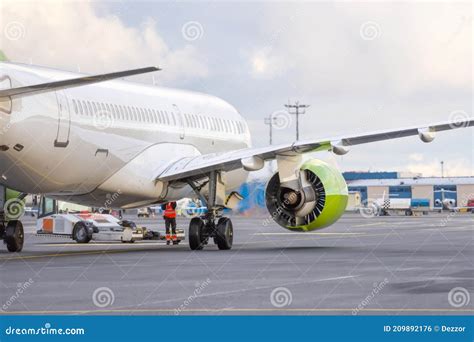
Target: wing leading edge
{"x": 199, "y": 167}
{"x": 70, "y": 83}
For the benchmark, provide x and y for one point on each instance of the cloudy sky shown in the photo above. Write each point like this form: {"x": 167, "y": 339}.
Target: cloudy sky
{"x": 361, "y": 66}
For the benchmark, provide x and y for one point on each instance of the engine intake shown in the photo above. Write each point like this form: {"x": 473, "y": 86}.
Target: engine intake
{"x": 320, "y": 201}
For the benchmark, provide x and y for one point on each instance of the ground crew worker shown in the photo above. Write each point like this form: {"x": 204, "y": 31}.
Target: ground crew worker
{"x": 169, "y": 214}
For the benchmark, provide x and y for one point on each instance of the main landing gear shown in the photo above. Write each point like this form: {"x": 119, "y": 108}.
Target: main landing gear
{"x": 201, "y": 229}
{"x": 11, "y": 229}
{"x": 13, "y": 235}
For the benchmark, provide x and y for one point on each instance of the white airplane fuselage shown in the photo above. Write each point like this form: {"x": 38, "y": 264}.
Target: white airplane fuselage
{"x": 108, "y": 140}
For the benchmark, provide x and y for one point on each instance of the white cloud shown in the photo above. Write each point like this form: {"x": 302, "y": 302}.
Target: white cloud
{"x": 72, "y": 35}
{"x": 417, "y": 46}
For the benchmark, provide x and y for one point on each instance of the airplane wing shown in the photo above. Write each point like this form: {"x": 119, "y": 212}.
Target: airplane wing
{"x": 199, "y": 167}
{"x": 75, "y": 82}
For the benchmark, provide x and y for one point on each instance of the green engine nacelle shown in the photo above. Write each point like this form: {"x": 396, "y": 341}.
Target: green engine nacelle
{"x": 324, "y": 199}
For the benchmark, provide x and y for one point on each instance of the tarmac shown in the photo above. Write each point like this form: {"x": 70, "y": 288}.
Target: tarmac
{"x": 393, "y": 265}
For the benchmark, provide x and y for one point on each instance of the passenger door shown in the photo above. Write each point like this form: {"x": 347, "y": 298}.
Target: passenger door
{"x": 180, "y": 119}
{"x": 64, "y": 121}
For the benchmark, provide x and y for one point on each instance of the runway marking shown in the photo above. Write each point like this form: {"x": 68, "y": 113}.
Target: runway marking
{"x": 73, "y": 254}
{"x": 172, "y": 310}
{"x": 310, "y": 233}
{"x": 370, "y": 224}
{"x": 68, "y": 244}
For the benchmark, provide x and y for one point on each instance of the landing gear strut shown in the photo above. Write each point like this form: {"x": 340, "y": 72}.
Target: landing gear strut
{"x": 203, "y": 228}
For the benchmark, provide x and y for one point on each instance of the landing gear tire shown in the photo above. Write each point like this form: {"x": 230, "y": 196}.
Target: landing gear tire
{"x": 224, "y": 234}
{"x": 81, "y": 233}
{"x": 14, "y": 236}
{"x": 196, "y": 228}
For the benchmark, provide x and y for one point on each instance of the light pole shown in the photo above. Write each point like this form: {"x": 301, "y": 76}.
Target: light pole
{"x": 270, "y": 121}
{"x": 295, "y": 110}
{"x": 442, "y": 169}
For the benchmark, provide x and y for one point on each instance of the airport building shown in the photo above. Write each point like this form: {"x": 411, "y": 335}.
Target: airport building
{"x": 374, "y": 185}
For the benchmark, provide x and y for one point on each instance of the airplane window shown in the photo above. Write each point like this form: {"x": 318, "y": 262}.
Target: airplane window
{"x": 75, "y": 106}
{"x": 150, "y": 116}
{"x": 89, "y": 108}
{"x": 115, "y": 110}
{"x": 119, "y": 107}
{"x": 158, "y": 114}
{"x": 108, "y": 109}
{"x": 193, "y": 120}
{"x": 167, "y": 119}
{"x": 235, "y": 127}
{"x": 95, "y": 108}
{"x": 80, "y": 107}
{"x": 129, "y": 113}
{"x": 227, "y": 127}
{"x": 173, "y": 117}
{"x": 186, "y": 120}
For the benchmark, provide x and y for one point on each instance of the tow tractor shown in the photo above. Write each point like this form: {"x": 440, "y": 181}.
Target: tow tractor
{"x": 86, "y": 226}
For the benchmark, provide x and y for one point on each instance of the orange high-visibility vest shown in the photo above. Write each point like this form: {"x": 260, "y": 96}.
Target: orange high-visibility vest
{"x": 169, "y": 211}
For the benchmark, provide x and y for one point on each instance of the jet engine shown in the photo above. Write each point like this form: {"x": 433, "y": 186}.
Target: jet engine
{"x": 319, "y": 202}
